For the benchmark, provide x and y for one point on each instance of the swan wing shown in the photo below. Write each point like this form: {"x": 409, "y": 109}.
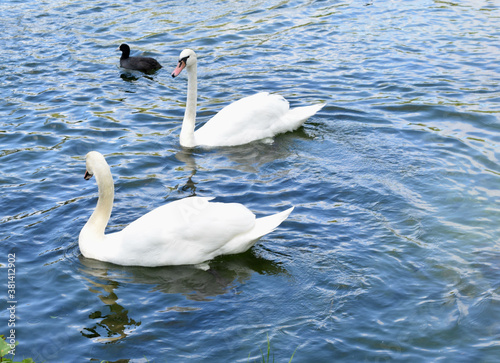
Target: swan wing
{"x": 251, "y": 118}
{"x": 187, "y": 231}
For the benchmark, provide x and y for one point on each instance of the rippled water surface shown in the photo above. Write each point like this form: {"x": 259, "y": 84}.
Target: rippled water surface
{"x": 393, "y": 249}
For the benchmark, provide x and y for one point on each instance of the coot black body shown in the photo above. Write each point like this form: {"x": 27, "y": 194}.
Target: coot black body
{"x": 143, "y": 64}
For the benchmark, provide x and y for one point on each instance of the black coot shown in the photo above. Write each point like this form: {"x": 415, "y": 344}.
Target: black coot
{"x": 143, "y": 64}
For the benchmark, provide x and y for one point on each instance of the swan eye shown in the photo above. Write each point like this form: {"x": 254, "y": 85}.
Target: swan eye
{"x": 183, "y": 60}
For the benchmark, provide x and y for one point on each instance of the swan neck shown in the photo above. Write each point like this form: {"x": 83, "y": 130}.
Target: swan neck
{"x": 187, "y": 131}
{"x": 98, "y": 221}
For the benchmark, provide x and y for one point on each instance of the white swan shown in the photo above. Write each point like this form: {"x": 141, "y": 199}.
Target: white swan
{"x": 187, "y": 231}
{"x": 256, "y": 117}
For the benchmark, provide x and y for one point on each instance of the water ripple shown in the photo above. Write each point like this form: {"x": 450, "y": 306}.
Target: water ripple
{"x": 391, "y": 252}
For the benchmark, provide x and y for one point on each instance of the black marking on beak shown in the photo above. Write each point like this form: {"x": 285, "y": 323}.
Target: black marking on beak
{"x": 181, "y": 65}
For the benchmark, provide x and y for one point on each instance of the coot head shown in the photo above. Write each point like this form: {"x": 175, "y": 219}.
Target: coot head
{"x": 125, "y": 50}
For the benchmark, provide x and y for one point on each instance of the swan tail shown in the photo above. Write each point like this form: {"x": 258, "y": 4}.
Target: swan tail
{"x": 262, "y": 227}
{"x": 268, "y": 224}
{"x": 297, "y": 116}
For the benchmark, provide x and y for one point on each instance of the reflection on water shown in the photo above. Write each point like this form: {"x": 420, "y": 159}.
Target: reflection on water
{"x": 110, "y": 325}
{"x": 112, "y": 321}
{"x": 128, "y": 77}
{"x": 247, "y": 158}
{"x": 239, "y": 162}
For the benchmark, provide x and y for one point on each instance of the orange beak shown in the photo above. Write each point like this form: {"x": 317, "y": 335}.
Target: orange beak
{"x": 179, "y": 68}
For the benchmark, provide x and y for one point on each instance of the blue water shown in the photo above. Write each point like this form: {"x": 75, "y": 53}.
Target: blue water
{"x": 393, "y": 250}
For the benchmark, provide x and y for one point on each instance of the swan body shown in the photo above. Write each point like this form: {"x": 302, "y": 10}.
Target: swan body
{"x": 187, "y": 231}
{"x": 251, "y": 118}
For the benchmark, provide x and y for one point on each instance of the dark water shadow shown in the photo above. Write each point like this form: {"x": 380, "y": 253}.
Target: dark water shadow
{"x": 111, "y": 321}
{"x": 131, "y": 75}
{"x": 246, "y": 158}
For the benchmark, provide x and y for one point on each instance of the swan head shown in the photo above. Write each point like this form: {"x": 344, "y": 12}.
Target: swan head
{"x": 187, "y": 58}
{"x": 94, "y": 161}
